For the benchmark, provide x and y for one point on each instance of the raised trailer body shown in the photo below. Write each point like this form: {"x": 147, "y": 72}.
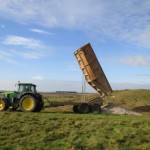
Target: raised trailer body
{"x": 92, "y": 70}
{"x": 96, "y": 78}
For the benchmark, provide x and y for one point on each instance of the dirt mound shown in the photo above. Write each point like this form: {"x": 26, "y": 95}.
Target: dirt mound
{"x": 112, "y": 108}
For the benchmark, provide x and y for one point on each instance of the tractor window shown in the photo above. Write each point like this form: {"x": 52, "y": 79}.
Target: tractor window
{"x": 21, "y": 88}
{"x": 33, "y": 88}
{"x": 27, "y": 88}
{"x": 24, "y": 88}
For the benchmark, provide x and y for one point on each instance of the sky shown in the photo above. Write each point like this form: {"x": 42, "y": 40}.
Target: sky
{"x": 38, "y": 39}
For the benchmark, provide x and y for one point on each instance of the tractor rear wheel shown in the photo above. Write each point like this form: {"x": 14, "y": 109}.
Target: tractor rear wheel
{"x": 40, "y": 105}
{"x": 3, "y": 104}
{"x": 28, "y": 103}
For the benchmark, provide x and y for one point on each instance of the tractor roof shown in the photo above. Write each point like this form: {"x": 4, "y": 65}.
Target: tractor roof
{"x": 26, "y": 84}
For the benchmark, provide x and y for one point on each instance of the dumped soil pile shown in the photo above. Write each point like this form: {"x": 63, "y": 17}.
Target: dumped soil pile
{"x": 112, "y": 108}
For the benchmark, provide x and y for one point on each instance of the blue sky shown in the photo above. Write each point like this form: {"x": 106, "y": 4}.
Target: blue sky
{"x": 38, "y": 39}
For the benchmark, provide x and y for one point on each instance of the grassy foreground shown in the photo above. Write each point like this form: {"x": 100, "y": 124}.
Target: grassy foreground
{"x": 61, "y": 130}
{"x": 45, "y": 130}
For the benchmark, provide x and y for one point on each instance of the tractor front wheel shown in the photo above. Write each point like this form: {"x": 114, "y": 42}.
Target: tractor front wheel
{"x": 3, "y": 104}
{"x": 28, "y": 103}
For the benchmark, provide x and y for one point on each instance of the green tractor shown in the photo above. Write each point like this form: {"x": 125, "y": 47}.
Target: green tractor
{"x": 26, "y": 98}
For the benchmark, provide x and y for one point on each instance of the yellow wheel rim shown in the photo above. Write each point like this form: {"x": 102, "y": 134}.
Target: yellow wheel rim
{"x": 28, "y": 103}
{"x": 1, "y": 104}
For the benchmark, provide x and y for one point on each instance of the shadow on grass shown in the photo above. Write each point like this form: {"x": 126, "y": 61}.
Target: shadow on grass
{"x": 52, "y": 112}
{"x": 43, "y": 111}
{"x": 142, "y": 108}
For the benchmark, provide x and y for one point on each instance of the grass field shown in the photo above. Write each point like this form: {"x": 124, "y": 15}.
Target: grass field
{"x": 60, "y": 129}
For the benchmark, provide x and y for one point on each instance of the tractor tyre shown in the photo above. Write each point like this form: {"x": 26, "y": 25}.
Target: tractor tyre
{"x": 40, "y": 105}
{"x": 84, "y": 108}
{"x": 75, "y": 109}
{"x": 95, "y": 108}
{"x": 4, "y": 105}
{"x": 28, "y": 103}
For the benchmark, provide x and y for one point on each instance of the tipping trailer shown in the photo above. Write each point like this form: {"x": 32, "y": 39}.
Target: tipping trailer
{"x": 93, "y": 73}
{"x": 96, "y": 78}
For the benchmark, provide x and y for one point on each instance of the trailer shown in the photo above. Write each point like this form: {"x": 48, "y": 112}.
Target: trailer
{"x": 95, "y": 77}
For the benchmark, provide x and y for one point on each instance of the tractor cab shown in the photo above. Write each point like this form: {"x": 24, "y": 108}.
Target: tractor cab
{"x": 26, "y": 88}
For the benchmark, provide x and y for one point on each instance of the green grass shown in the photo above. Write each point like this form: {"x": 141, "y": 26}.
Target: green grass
{"x": 60, "y": 129}
{"x": 47, "y": 130}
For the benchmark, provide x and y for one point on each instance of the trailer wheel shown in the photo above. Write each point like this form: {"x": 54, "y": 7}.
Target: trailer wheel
{"x": 75, "y": 108}
{"x": 95, "y": 108}
{"x": 28, "y": 103}
{"x": 84, "y": 108}
{"x": 3, "y": 104}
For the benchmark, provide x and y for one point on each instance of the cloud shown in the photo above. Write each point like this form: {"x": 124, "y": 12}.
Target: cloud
{"x": 30, "y": 54}
{"x": 46, "y": 85}
{"x": 53, "y": 13}
{"x": 8, "y": 85}
{"x": 7, "y": 56}
{"x": 144, "y": 74}
{"x": 40, "y": 31}
{"x": 12, "y": 56}
{"x": 71, "y": 65}
{"x": 58, "y": 85}
{"x": 27, "y": 48}
{"x": 38, "y": 77}
{"x": 136, "y": 60}
{"x": 22, "y": 41}
{"x": 2, "y": 26}
{"x": 131, "y": 60}
{"x": 144, "y": 37}
{"x": 124, "y": 85}
{"x": 121, "y": 20}
{"x": 23, "y": 47}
